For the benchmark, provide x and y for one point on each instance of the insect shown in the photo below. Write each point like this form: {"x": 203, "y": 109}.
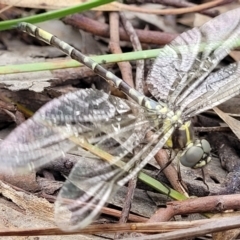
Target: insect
{"x": 181, "y": 80}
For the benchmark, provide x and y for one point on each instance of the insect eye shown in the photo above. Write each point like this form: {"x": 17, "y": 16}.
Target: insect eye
{"x": 205, "y": 146}
{"x": 197, "y": 155}
{"x": 192, "y": 156}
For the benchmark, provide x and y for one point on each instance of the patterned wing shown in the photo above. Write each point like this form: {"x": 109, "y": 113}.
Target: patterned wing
{"x": 109, "y": 124}
{"x": 88, "y": 114}
{"x": 217, "y": 88}
{"x": 184, "y": 64}
{"x": 86, "y": 190}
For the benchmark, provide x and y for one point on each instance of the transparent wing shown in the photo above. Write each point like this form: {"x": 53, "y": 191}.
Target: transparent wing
{"x": 88, "y": 114}
{"x": 86, "y": 190}
{"x": 187, "y": 61}
{"x": 216, "y": 89}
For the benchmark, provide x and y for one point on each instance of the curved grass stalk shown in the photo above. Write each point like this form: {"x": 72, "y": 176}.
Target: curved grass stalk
{"x": 54, "y": 14}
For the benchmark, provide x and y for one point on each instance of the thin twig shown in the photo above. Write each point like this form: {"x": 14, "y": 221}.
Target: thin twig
{"x": 101, "y": 29}
{"x": 224, "y": 223}
{"x": 175, "y": 3}
{"x": 170, "y": 171}
{"x": 219, "y": 203}
{"x": 114, "y": 45}
{"x": 137, "y": 47}
{"x": 198, "y": 8}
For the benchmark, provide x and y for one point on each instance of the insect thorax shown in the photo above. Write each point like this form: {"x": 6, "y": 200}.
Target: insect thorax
{"x": 183, "y": 135}
{"x": 196, "y": 153}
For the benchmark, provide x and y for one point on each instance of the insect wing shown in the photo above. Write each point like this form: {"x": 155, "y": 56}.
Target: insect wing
{"x": 33, "y": 144}
{"x": 216, "y": 89}
{"x": 88, "y": 189}
{"x": 187, "y": 61}
{"x": 47, "y": 135}
{"x": 85, "y": 192}
{"x": 105, "y": 122}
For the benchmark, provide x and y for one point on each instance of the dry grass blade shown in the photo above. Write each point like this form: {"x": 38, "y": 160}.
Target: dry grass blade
{"x": 230, "y": 121}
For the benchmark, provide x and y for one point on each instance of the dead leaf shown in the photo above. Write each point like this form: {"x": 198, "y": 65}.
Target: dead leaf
{"x": 226, "y": 235}
{"x": 231, "y": 122}
{"x": 27, "y": 211}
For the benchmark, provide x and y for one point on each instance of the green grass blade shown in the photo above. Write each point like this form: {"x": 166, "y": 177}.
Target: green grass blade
{"x": 69, "y": 63}
{"x": 160, "y": 187}
{"x": 54, "y": 14}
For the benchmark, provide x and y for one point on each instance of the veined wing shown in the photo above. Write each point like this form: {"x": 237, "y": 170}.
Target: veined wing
{"x": 86, "y": 190}
{"x": 216, "y": 89}
{"x": 187, "y": 61}
{"x": 83, "y": 115}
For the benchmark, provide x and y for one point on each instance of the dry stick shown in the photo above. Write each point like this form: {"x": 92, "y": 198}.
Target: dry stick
{"x": 198, "y": 8}
{"x": 114, "y": 45}
{"x": 137, "y": 47}
{"x": 197, "y": 205}
{"x": 98, "y": 228}
{"x": 216, "y": 225}
{"x": 127, "y": 205}
{"x": 212, "y": 129}
{"x": 101, "y": 29}
{"x": 104, "y": 210}
{"x": 175, "y": 3}
{"x": 172, "y": 228}
{"x": 170, "y": 171}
